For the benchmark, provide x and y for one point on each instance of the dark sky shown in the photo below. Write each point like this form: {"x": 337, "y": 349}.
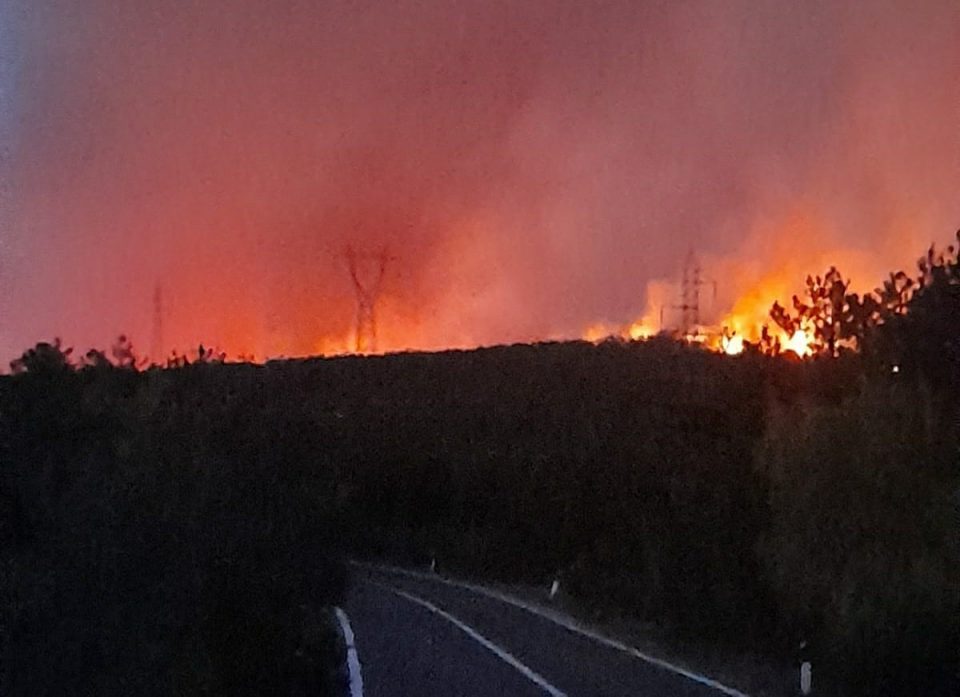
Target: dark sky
{"x": 530, "y": 167}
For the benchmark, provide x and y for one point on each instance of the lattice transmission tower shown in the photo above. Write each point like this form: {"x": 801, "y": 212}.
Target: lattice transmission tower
{"x": 690, "y": 284}
{"x": 366, "y": 273}
{"x": 156, "y": 338}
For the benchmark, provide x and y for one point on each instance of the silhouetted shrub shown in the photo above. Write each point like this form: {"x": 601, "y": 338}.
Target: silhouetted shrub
{"x": 860, "y": 548}
{"x": 159, "y": 539}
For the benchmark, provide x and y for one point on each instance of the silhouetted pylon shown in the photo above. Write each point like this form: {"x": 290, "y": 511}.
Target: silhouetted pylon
{"x": 156, "y": 343}
{"x": 367, "y": 290}
{"x": 690, "y": 285}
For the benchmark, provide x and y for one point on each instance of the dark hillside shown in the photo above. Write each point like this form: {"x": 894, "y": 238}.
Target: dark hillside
{"x": 657, "y": 479}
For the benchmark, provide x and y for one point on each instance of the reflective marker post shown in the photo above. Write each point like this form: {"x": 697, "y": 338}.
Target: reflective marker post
{"x": 806, "y": 671}
{"x": 806, "y": 677}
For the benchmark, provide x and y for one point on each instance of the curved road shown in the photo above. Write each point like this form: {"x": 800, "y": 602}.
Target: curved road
{"x": 417, "y": 635}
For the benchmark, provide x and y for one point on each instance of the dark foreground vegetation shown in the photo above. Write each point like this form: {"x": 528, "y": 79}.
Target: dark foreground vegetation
{"x": 163, "y": 533}
{"x": 170, "y": 531}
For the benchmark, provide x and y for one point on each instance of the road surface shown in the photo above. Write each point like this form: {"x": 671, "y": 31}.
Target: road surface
{"x": 421, "y": 636}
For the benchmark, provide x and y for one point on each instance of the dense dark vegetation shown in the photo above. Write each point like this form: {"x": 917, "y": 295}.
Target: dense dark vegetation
{"x": 168, "y": 531}
{"x": 163, "y": 533}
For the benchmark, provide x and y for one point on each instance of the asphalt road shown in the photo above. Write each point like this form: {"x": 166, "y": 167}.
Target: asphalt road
{"x": 417, "y": 637}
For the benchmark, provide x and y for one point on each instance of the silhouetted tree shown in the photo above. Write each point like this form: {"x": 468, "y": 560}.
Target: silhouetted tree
{"x": 834, "y": 317}
{"x": 894, "y": 295}
{"x": 124, "y": 354}
{"x": 94, "y": 359}
{"x": 768, "y": 343}
{"x": 44, "y": 358}
{"x": 825, "y": 313}
{"x": 209, "y": 355}
{"x": 921, "y": 335}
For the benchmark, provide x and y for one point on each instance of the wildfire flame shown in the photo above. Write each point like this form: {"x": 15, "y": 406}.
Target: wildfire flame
{"x": 739, "y": 318}
{"x": 773, "y": 271}
{"x": 732, "y": 345}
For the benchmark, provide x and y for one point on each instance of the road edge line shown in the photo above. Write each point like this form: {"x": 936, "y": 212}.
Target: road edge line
{"x": 563, "y": 621}
{"x": 353, "y": 660}
{"x": 499, "y": 652}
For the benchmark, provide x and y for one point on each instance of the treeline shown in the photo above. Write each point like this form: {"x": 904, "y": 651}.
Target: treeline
{"x": 908, "y": 318}
{"x": 161, "y": 533}
{"x": 750, "y": 502}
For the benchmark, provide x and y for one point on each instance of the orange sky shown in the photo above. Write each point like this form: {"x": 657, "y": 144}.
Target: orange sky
{"x": 533, "y": 169}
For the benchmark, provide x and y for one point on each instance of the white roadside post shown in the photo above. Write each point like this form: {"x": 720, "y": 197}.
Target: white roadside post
{"x": 806, "y": 672}
{"x": 554, "y": 588}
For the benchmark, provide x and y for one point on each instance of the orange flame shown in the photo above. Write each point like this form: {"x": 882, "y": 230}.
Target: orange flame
{"x": 782, "y": 253}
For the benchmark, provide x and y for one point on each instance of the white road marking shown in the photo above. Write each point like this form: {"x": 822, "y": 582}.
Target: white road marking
{"x": 500, "y": 653}
{"x": 565, "y": 622}
{"x": 353, "y": 661}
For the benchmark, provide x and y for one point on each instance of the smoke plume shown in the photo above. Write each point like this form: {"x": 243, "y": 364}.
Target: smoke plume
{"x": 528, "y": 168}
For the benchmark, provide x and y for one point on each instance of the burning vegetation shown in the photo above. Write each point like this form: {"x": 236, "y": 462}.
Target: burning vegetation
{"x": 532, "y": 168}
{"x": 826, "y": 318}
{"x": 748, "y": 504}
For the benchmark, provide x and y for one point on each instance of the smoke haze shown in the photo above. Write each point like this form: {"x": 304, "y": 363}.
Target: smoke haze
{"x": 528, "y": 167}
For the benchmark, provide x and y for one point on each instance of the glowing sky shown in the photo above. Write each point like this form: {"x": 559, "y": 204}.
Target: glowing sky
{"x": 530, "y": 166}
